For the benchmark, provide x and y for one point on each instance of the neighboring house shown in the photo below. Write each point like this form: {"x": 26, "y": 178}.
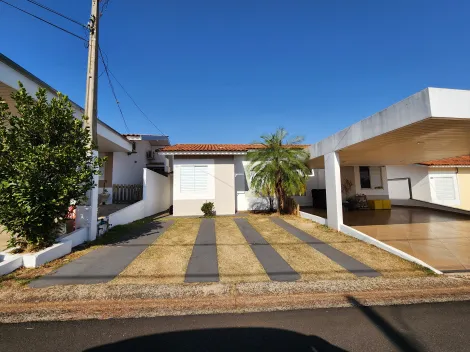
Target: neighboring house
{"x": 127, "y": 155}
{"x": 445, "y": 182}
{"x": 127, "y": 168}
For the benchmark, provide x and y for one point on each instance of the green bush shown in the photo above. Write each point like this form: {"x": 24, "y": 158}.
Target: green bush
{"x": 208, "y": 209}
{"x": 46, "y": 164}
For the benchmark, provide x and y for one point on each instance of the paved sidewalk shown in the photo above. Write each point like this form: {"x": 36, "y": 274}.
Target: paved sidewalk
{"x": 104, "y": 264}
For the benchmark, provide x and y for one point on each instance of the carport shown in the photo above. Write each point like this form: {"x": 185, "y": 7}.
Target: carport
{"x": 429, "y": 125}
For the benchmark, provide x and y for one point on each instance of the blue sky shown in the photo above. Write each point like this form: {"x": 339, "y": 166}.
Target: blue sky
{"x": 228, "y": 71}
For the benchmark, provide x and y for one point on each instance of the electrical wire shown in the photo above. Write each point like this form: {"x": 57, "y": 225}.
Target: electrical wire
{"x": 43, "y": 20}
{"x": 57, "y": 13}
{"x": 106, "y": 70}
{"x": 137, "y": 106}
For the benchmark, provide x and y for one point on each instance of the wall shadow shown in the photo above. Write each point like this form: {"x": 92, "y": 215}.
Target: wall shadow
{"x": 227, "y": 339}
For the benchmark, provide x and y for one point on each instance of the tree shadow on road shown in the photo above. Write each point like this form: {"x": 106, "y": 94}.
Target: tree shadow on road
{"x": 229, "y": 339}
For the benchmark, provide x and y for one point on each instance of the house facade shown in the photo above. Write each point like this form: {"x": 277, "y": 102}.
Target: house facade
{"x": 445, "y": 182}
{"x": 219, "y": 173}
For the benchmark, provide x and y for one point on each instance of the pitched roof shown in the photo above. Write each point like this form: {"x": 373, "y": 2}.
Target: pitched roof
{"x": 455, "y": 161}
{"x": 218, "y": 147}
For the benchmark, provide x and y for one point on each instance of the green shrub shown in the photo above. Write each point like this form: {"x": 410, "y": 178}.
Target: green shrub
{"x": 45, "y": 166}
{"x": 208, "y": 209}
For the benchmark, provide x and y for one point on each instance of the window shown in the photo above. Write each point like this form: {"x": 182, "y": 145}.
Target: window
{"x": 371, "y": 177}
{"x": 364, "y": 173}
{"x": 194, "y": 179}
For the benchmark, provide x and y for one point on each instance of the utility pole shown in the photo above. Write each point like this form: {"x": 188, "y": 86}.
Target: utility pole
{"x": 91, "y": 109}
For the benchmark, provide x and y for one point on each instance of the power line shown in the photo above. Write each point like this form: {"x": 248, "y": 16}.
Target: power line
{"x": 57, "y": 13}
{"x": 137, "y": 106}
{"x": 43, "y": 20}
{"x": 106, "y": 70}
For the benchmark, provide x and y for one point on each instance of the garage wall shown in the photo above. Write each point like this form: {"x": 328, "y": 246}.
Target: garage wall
{"x": 419, "y": 179}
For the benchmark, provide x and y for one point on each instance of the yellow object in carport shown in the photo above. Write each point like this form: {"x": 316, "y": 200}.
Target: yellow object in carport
{"x": 375, "y": 204}
{"x": 386, "y": 204}
{"x": 378, "y": 204}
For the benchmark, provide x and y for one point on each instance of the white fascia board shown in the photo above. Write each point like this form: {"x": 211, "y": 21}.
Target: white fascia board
{"x": 11, "y": 76}
{"x": 406, "y": 112}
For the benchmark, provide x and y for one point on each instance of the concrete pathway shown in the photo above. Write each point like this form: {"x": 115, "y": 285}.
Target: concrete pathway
{"x": 203, "y": 265}
{"x": 347, "y": 262}
{"x": 104, "y": 264}
{"x": 274, "y": 265}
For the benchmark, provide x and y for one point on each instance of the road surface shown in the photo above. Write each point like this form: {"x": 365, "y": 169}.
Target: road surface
{"x": 423, "y": 327}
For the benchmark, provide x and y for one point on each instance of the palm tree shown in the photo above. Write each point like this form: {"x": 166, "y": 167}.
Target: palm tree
{"x": 279, "y": 166}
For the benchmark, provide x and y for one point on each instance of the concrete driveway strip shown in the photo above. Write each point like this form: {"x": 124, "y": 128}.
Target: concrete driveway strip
{"x": 104, "y": 264}
{"x": 347, "y": 262}
{"x": 276, "y": 267}
{"x": 203, "y": 265}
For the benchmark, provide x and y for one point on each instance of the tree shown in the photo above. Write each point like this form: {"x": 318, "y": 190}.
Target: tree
{"x": 46, "y": 164}
{"x": 279, "y": 167}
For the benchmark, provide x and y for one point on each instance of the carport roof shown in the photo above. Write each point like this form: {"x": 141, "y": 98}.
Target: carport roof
{"x": 429, "y": 125}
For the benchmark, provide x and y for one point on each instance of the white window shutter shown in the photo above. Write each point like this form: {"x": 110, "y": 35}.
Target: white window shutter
{"x": 194, "y": 178}
{"x": 445, "y": 188}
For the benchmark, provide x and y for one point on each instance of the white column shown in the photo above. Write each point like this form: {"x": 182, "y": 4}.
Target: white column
{"x": 334, "y": 205}
{"x": 94, "y": 205}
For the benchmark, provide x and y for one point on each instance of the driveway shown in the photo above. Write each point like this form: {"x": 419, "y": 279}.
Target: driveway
{"x": 229, "y": 249}
{"x": 441, "y": 239}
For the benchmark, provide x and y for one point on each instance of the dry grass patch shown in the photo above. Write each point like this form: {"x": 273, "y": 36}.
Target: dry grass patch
{"x": 165, "y": 261}
{"x": 237, "y": 262}
{"x": 386, "y": 263}
{"x": 309, "y": 263}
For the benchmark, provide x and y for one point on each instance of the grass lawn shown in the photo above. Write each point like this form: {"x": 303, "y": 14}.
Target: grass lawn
{"x": 166, "y": 260}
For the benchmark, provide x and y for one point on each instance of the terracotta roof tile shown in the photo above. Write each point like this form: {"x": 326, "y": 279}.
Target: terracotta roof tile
{"x": 458, "y": 160}
{"x": 216, "y": 147}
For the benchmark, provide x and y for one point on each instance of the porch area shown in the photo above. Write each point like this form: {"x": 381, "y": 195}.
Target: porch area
{"x": 439, "y": 238}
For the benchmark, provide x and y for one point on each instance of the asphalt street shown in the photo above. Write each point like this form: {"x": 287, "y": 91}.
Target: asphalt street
{"x": 422, "y": 327}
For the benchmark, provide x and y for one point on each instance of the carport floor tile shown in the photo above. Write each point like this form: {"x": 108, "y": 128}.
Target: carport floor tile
{"x": 436, "y": 254}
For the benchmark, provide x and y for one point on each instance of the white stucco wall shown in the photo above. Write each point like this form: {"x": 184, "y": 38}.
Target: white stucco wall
{"x": 156, "y": 192}
{"x": 419, "y": 178}
{"x": 128, "y": 169}
{"x": 220, "y": 187}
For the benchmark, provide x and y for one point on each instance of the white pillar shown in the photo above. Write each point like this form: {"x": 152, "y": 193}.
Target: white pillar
{"x": 334, "y": 205}
{"x": 94, "y": 205}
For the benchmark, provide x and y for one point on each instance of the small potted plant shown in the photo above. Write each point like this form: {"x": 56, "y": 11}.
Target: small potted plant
{"x": 208, "y": 209}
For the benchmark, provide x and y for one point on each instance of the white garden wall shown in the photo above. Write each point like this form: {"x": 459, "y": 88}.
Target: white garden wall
{"x": 157, "y": 192}
{"x": 156, "y": 198}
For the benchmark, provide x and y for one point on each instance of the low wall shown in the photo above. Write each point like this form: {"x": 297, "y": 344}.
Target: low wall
{"x": 368, "y": 239}
{"x": 423, "y": 204}
{"x": 315, "y": 218}
{"x": 77, "y": 237}
{"x": 128, "y": 214}
{"x": 156, "y": 199}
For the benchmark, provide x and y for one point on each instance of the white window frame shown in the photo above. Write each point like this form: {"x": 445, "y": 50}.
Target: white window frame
{"x": 453, "y": 175}
{"x": 208, "y": 194}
